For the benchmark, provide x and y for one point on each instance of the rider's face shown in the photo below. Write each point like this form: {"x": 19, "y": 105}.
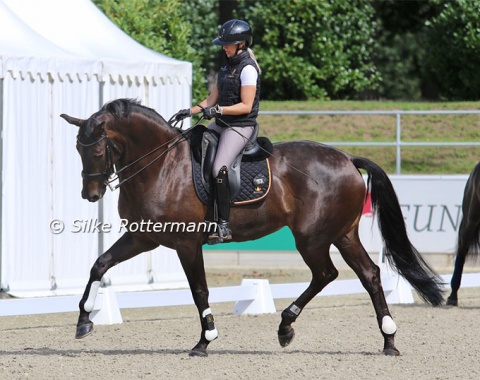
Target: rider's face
{"x": 231, "y": 50}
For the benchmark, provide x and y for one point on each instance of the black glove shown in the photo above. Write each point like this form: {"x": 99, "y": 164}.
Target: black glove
{"x": 182, "y": 114}
{"x": 210, "y": 112}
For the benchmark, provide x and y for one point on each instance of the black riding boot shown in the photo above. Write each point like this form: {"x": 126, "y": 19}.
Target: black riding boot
{"x": 222, "y": 195}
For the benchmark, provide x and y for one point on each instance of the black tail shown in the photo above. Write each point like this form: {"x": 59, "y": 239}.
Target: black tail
{"x": 400, "y": 252}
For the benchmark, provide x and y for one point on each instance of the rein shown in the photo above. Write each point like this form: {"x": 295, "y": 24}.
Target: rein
{"x": 109, "y": 164}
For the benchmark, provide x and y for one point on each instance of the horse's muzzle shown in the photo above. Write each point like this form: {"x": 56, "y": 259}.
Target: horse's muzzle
{"x": 93, "y": 192}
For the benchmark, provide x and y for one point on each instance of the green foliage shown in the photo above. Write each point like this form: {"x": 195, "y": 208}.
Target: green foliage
{"x": 401, "y": 47}
{"x": 452, "y": 58}
{"x": 313, "y": 48}
{"x": 160, "y": 26}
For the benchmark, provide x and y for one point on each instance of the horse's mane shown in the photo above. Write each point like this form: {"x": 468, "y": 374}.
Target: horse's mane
{"x": 122, "y": 109}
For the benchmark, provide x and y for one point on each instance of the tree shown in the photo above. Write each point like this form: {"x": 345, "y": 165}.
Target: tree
{"x": 313, "y": 49}
{"x": 452, "y": 57}
{"x": 401, "y": 47}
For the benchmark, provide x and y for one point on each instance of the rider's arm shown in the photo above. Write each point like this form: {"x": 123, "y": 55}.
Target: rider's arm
{"x": 210, "y": 101}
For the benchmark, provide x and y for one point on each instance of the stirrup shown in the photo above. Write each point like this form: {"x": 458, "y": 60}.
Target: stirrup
{"x": 221, "y": 234}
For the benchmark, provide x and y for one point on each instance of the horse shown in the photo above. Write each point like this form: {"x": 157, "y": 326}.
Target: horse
{"x": 317, "y": 191}
{"x": 468, "y": 241}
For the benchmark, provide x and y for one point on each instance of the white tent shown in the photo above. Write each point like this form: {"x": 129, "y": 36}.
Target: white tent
{"x": 65, "y": 56}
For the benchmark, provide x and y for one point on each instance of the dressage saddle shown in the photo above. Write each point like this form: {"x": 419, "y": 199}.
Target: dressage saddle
{"x": 249, "y": 174}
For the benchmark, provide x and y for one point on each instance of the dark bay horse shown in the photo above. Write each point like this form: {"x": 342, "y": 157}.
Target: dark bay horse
{"x": 317, "y": 191}
{"x": 468, "y": 242}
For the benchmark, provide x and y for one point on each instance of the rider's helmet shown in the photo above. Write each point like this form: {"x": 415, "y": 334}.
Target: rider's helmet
{"x": 233, "y": 32}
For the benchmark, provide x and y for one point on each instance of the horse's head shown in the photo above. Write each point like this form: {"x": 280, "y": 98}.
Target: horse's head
{"x": 97, "y": 153}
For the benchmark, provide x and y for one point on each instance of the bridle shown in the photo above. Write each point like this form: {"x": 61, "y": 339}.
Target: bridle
{"x": 110, "y": 165}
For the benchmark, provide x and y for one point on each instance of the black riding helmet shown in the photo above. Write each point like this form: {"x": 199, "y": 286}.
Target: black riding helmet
{"x": 233, "y": 32}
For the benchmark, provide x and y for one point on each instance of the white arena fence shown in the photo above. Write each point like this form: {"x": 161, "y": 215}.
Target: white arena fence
{"x": 253, "y": 296}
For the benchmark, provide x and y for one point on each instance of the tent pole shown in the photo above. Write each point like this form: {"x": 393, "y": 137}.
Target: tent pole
{"x": 1, "y": 176}
{"x": 100, "y": 203}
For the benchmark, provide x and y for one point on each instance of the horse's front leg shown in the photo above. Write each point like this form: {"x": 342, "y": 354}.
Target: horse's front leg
{"x": 124, "y": 248}
{"x": 191, "y": 258}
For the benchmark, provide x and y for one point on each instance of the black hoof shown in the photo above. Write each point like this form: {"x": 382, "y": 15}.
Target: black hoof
{"x": 84, "y": 330}
{"x": 198, "y": 353}
{"x": 452, "y": 302}
{"x": 286, "y": 339}
{"x": 391, "y": 352}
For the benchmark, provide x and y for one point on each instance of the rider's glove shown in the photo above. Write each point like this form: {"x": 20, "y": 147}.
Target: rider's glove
{"x": 211, "y": 112}
{"x": 182, "y": 114}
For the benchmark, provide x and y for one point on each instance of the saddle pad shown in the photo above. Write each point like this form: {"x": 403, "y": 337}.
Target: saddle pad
{"x": 249, "y": 193}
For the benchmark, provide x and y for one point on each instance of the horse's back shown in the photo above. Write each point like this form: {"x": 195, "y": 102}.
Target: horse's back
{"x": 320, "y": 161}
{"x": 318, "y": 178}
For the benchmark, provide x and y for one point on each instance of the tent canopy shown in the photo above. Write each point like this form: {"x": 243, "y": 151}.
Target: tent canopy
{"x": 23, "y": 51}
{"x": 78, "y": 28}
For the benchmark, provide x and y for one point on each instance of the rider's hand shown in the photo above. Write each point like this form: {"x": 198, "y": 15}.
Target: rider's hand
{"x": 182, "y": 114}
{"x": 210, "y": 112}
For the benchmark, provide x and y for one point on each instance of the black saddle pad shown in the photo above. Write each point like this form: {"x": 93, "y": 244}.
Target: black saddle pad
{"x": 249, "y": 193}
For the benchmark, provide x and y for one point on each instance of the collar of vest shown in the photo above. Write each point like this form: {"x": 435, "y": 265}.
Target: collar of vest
{"x": 236, "y": 59}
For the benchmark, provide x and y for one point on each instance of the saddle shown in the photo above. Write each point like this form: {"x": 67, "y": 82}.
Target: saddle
{"x": 249, "y": 175}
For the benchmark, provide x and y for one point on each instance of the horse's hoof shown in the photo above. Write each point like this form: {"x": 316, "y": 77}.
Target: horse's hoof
{"x": 286, "y": 339}
{"x": 198, "y": 353}
{"x": 451, "y": 302}
{"x": 84, "y": 330}
{"x": 391, "y": 352}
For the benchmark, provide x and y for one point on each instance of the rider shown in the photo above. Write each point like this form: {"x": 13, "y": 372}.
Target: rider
{"x": 234, "y": 103}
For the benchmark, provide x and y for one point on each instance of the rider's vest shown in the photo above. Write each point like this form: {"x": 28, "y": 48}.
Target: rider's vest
{"x": 229, "y": 87}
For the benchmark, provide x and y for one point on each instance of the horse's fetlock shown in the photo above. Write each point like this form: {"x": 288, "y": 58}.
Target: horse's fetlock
{"x": 208, "y": 321}
{"x": 388, "y": 325}
{"x": 291, "y": 313}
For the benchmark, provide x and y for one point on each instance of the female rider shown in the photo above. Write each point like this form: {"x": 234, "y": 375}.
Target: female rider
{"x": 234, "y": 103}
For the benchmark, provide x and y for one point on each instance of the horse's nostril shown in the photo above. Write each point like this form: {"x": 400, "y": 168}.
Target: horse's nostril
{"x": 94, "y": 198}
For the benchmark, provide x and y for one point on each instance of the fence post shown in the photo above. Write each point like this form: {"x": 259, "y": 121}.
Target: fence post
{"x": 263, "y": 302}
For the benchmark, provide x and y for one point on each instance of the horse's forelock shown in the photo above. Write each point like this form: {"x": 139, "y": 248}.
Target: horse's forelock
{"x": 88, "y": 127}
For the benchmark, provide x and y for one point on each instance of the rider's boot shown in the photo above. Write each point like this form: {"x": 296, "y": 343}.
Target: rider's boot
{"x": 222, "y": 194}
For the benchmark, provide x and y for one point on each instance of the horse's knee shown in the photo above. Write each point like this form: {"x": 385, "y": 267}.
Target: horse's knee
{"x": 100, "y": 267}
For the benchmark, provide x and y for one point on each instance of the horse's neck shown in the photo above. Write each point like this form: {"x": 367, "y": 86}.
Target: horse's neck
{"x": 151, "y": 139}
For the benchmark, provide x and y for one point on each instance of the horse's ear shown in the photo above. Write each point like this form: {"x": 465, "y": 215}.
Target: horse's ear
{"x": 73, "y": 120}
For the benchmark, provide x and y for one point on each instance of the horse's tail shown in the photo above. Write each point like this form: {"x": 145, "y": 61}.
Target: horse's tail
{"x": 398, "y": 249}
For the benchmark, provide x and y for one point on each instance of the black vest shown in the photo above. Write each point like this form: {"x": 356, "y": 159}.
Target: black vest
{"x": 229, "y": 84}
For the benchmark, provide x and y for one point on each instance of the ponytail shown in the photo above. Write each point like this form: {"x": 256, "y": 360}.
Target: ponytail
{"x": 250, "y": 52}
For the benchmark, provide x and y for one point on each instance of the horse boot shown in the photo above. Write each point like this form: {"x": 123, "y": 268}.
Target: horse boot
{"x": 222, "y": 194}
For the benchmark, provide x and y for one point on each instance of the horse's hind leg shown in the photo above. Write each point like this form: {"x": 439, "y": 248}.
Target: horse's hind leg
{"x": 323, "y": 272}
{"x": 465, "y": 236}
{"x": 124, "y": 248}
{"x": 358, "y": 259}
